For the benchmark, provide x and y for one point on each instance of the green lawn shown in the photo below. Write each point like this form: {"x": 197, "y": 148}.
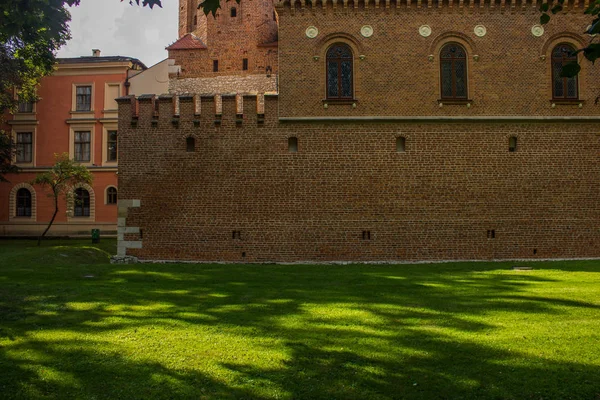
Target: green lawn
{"x": 170, "y": 331}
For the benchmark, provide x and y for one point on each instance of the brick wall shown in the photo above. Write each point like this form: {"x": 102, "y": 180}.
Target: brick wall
{"x": 251, "y": 34}
{"x": 508, "y": 68}
{"x": 224, "y": 84}
{"x": 441, "y": 198}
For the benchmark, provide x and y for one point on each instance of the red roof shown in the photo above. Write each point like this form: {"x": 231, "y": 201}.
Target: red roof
{"x": 187, "y": 42}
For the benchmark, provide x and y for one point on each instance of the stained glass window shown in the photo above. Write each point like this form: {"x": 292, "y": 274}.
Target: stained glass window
{"x": 339, "y": 72}
{"x": 453, "y": 72}
{"x": 563, "y": 87}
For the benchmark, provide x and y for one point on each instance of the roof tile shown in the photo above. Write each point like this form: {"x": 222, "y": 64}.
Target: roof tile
{"x": 187, "y": 42}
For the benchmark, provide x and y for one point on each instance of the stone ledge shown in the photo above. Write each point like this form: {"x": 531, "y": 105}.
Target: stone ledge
{"x": 123, "y": 260}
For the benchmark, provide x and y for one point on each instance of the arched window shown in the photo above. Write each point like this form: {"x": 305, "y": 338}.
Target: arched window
{"x": 563, "y": 88}
{"x": 453, "y": 72}
{"x": 190, "y": 144}
{"x": 23, "y": 203}
{"x": 233, "y": 12}
{"x": 339, "y": 72}
{"x": 82, "y": 203}
{"x": 111, "y": 195}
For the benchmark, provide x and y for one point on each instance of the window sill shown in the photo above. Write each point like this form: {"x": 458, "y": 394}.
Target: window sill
{"x": 340, "y": 102}
{"x": 567, "y": 102}
{"x": 23, "y": 164}
{"x": 22, "y": 220}
{"x": 455, "y": 101}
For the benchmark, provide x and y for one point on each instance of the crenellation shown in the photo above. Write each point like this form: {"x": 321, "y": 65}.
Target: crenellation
{"x": 299, "y": 7}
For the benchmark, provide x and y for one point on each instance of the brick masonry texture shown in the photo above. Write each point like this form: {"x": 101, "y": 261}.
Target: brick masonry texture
{"x": 396, "y": 77}
{"x": 437, "y": 200}
{"x": 251, "y": 34}
{"x": 225, "y": 84}
{"x": 347, "y": 194}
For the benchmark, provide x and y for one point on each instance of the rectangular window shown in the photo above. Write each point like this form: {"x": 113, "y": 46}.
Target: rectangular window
{"x": 82, "y": 146}
{"x": 83, "y": 101}
{"x": 245, "y": 64}
{"x": 24, "y": 147}
{"x": 25, "y": 106}
{"x": 215, "y": 65}
{"x": 111, "y": 146}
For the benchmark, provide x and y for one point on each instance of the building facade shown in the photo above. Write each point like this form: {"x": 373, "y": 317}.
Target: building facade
{"x": 76, "y": 114}
{"x": 400, "y": 131}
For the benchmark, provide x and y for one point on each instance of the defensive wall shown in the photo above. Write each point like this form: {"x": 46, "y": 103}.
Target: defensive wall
{"x": 221, "y": 178}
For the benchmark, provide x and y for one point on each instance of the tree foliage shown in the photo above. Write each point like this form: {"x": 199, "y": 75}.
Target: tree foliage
{"x": 31, "y": 32}
{"x": 60, "y": 179}
{"x": 592, "y": 51}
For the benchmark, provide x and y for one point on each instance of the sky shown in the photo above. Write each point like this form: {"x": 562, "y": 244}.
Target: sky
{"x": 116, "y": 28}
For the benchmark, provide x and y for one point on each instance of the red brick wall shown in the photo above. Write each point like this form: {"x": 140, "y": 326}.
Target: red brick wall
{"x": 396, "y": 76}
{"x": 435, "y": 201}
{"x": 229, "y": 39}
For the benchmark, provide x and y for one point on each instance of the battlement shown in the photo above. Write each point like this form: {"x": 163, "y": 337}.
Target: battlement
{"x": 447, "y": 5}
{"x": 172, "y": 110}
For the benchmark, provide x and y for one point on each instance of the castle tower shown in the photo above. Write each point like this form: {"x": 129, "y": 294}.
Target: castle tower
{"x": 234, "y": 51}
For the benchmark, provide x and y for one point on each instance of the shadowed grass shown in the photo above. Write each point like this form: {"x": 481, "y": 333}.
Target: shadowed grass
{"x": 74, "y": 326}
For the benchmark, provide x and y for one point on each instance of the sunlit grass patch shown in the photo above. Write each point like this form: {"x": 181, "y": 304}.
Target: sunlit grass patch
{"x": 74, "y": 326}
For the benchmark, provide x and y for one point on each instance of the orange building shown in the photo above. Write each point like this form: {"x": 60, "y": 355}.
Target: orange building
{"x": 77, "y": 114}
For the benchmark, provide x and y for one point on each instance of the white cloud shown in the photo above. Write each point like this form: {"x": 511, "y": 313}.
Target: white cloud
{"x": 117, "y": 28}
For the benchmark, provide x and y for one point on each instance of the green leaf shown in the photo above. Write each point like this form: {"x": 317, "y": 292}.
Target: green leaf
{"x": 544, "y": 19}
{"x": 570, "y": 70}
{"x": 556, "y": 9}
{"x": 544, "y": 8}
{"x": 210, "y": 6}
{"x": 592, "y": 52}
{"x": 594, "y": 28}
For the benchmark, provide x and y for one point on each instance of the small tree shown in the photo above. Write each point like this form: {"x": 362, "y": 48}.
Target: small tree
{"x": 64, "y": 174}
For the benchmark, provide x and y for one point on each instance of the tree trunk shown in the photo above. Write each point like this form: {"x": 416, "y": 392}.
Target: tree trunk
{"x": 52, "y": 220}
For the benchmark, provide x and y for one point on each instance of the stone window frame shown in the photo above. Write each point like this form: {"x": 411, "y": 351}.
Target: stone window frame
{"x": 453, "y": 97}
{"x": 328, "y": 57}
{"x": 80, "y": 127}
{"x": 471, "y": 50}
{"x": 577, "y": 87}
{"x": 12, "y": 203}
{"x": 74, "y": 97}
{"x": 25, "y": 129}
{"x": 320, "y": 50}
{"x": 106, "y": 128}
{"x": 24, "y": 113}
{"x": 577, "y": 41}
{"x": 71, "y": 204}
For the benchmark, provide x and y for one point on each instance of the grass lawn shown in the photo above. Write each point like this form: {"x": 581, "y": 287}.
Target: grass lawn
{"x": 171, "y": 331}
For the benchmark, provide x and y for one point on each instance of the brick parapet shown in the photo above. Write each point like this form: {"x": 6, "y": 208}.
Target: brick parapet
{"x": 439, "y": 199}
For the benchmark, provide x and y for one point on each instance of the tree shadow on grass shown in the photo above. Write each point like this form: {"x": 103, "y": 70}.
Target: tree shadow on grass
{"x": 297, "y": 332}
